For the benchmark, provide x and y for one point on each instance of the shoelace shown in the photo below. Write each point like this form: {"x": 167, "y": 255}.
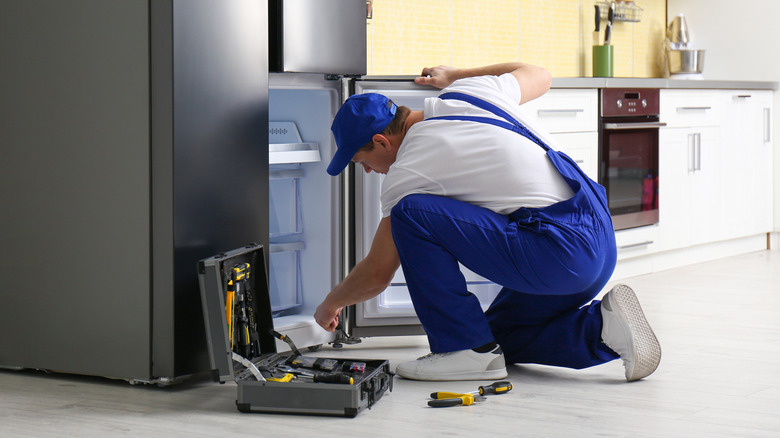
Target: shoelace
{"x": 432, "y": 356}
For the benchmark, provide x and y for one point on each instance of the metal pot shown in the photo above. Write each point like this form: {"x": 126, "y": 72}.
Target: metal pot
{"x": 685, "y": 61}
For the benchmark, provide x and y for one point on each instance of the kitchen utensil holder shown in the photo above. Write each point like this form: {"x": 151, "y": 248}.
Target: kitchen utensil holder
{"x": 624, "y": 11}
{"x": 603, "y": 61}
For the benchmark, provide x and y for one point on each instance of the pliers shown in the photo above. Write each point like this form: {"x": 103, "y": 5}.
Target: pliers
{"x": 445, "y": 399}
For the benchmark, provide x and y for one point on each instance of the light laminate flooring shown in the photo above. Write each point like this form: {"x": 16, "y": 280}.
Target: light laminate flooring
{"x": 718, "y": 323}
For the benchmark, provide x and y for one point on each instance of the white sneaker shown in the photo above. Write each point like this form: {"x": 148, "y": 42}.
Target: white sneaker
{"x": 457, "y": 365}
{"x": 626, "y": 331}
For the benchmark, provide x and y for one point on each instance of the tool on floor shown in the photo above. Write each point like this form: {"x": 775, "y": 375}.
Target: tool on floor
{"x": 444, "y": 399}
{"x": 501, "y": 387}
{"x": 447, "y": 399}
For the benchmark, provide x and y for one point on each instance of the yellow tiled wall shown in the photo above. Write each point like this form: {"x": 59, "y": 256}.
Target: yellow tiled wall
{"x": 406, "y": 35}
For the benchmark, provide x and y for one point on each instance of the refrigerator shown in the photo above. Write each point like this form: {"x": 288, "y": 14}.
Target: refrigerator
{"x": 134, "y": 141}
{"x": 321, "y": 226}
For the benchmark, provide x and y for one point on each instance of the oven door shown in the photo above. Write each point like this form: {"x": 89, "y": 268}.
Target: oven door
{"x": 628, "y": 169}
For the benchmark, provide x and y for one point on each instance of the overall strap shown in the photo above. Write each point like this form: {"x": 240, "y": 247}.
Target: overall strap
{"x": 509, "y": 122}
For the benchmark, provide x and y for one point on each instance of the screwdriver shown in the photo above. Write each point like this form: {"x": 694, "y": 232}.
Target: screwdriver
{"x": 496, "y": 388}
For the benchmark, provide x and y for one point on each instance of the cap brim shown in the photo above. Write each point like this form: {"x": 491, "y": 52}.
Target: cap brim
{"x": 339, "y": 161}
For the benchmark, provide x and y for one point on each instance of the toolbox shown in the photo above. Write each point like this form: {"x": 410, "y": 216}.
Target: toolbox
{"x": 242, "y": 347}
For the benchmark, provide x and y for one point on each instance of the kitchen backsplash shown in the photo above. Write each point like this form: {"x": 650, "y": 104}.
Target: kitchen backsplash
{"x": 406, "y": 35}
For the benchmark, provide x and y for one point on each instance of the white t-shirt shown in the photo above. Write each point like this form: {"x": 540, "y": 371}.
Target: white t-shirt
{"x": 478, "y": 163}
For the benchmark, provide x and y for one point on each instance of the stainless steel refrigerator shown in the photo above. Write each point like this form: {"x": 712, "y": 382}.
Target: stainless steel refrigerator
{"x": 134, "y": 142}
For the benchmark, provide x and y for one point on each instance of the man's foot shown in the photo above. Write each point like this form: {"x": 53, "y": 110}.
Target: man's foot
{"x": 457, "y": 365}
{"x": 626, "y": 331}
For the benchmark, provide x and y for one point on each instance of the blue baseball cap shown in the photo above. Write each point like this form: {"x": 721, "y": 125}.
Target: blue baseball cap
{"x": 356, "y": 122}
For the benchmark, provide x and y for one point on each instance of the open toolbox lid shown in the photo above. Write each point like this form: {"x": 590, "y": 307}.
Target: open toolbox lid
{"x": 214, "y": 273}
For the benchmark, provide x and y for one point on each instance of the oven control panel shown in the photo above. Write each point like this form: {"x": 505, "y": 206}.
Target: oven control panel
{"x": 622, "y": 102}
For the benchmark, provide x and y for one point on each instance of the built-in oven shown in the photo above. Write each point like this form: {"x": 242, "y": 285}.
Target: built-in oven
{"x": 628, "y": 149}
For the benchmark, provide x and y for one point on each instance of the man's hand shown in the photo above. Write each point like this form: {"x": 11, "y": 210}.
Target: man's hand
{"x": 327, "y": 318}
{"x": 534, "y": 81}
{"x": 439, "y": 77}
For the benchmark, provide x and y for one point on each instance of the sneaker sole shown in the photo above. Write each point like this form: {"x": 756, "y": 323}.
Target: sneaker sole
{"x": 647, "y": 349}
{"x": 481, "y": 375}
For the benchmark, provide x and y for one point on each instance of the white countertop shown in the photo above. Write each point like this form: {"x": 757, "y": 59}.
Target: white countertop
{"x": 662, "y": 83}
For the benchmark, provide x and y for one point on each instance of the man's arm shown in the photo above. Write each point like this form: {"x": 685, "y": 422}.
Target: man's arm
{"x": 534, "y": 81}
{"x": 367, "y": 279}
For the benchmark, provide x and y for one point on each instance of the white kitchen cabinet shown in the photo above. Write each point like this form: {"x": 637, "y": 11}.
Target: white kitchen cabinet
{"x": 690, "y": 183}
{"x": 570, "y": 116}
{"x": 747, "y": 162}
{"x": 689, "y": 187}
{"x": 565, "y": 110}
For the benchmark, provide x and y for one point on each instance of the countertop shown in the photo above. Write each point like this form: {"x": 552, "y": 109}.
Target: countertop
{"x": 586, "y": 82}
{"x": 662, "y": 83}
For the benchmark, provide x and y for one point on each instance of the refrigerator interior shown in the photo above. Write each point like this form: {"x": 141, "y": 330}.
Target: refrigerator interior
{"x": 393, "y": 307}
{"x": 304, "y": 204}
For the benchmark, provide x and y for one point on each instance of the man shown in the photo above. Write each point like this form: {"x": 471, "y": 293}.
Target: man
{"x": 469, "y": 180}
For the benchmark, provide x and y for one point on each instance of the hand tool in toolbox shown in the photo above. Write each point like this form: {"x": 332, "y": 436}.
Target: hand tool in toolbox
{"x": 445, "y": 399}
{"x": 240, "y": 336}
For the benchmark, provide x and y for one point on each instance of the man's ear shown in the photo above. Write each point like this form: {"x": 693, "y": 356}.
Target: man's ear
{"x": 381, "y": 140}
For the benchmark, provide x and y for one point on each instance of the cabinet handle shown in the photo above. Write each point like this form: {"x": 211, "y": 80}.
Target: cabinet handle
{"x": 697, "y": 137}
{"x": 542, "y": 112}
{"x": 691, "y": 153}
{"x": 635, "y": 245}
{"x": 767, "y": 125}
{"x": 693, "y": 108}
{"x": 638, "y": 125}
{"x": 742, "y": 96}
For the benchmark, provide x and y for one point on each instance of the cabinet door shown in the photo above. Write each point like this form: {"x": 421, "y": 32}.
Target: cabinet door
{"x": 674, "y": 188}
{"x": 746, "y": 163}
{"x": 705, "y": 184}
{"x": 689, "y": 187}
{"x": 565, "y": 110}
{"x": 761, "y": 157}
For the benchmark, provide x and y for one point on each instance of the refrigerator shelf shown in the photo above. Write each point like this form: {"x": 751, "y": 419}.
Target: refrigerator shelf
{"x": 286, "y": 153}
{"x": 286, "y": 145}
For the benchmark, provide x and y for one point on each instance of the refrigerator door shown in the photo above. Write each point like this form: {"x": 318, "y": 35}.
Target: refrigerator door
{"x": 392, "y": 313}
{"x": 305, "y": 249}
{"x": 314, "y": 36}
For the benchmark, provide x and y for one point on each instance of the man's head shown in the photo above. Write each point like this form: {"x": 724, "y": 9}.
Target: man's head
{"x": 360, "y": 118}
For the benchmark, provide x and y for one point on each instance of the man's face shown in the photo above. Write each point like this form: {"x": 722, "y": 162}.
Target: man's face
{"x": 378, "y": 159}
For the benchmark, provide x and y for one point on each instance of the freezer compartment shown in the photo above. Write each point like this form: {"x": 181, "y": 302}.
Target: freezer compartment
{"x": 314, "y": 36}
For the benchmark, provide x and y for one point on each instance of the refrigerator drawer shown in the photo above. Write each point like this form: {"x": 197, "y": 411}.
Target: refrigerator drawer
{"x": 284, "y": 206}
{"x": 286, "y": 288}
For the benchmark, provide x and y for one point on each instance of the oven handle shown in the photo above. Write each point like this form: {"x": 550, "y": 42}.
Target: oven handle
{"x": 640, "y": 125}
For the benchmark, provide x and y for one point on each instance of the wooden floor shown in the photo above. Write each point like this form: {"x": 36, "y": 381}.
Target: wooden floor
{"x": 718, "y": 323}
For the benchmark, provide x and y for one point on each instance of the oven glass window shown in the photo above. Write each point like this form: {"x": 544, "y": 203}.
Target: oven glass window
{"x": 630, "y": 170}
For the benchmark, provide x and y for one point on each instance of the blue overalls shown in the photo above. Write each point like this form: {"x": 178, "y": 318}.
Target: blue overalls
{"x": 551, "y": 262}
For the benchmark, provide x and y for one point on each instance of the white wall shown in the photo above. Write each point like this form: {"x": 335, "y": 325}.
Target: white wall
{"x": 742, "y": 43}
